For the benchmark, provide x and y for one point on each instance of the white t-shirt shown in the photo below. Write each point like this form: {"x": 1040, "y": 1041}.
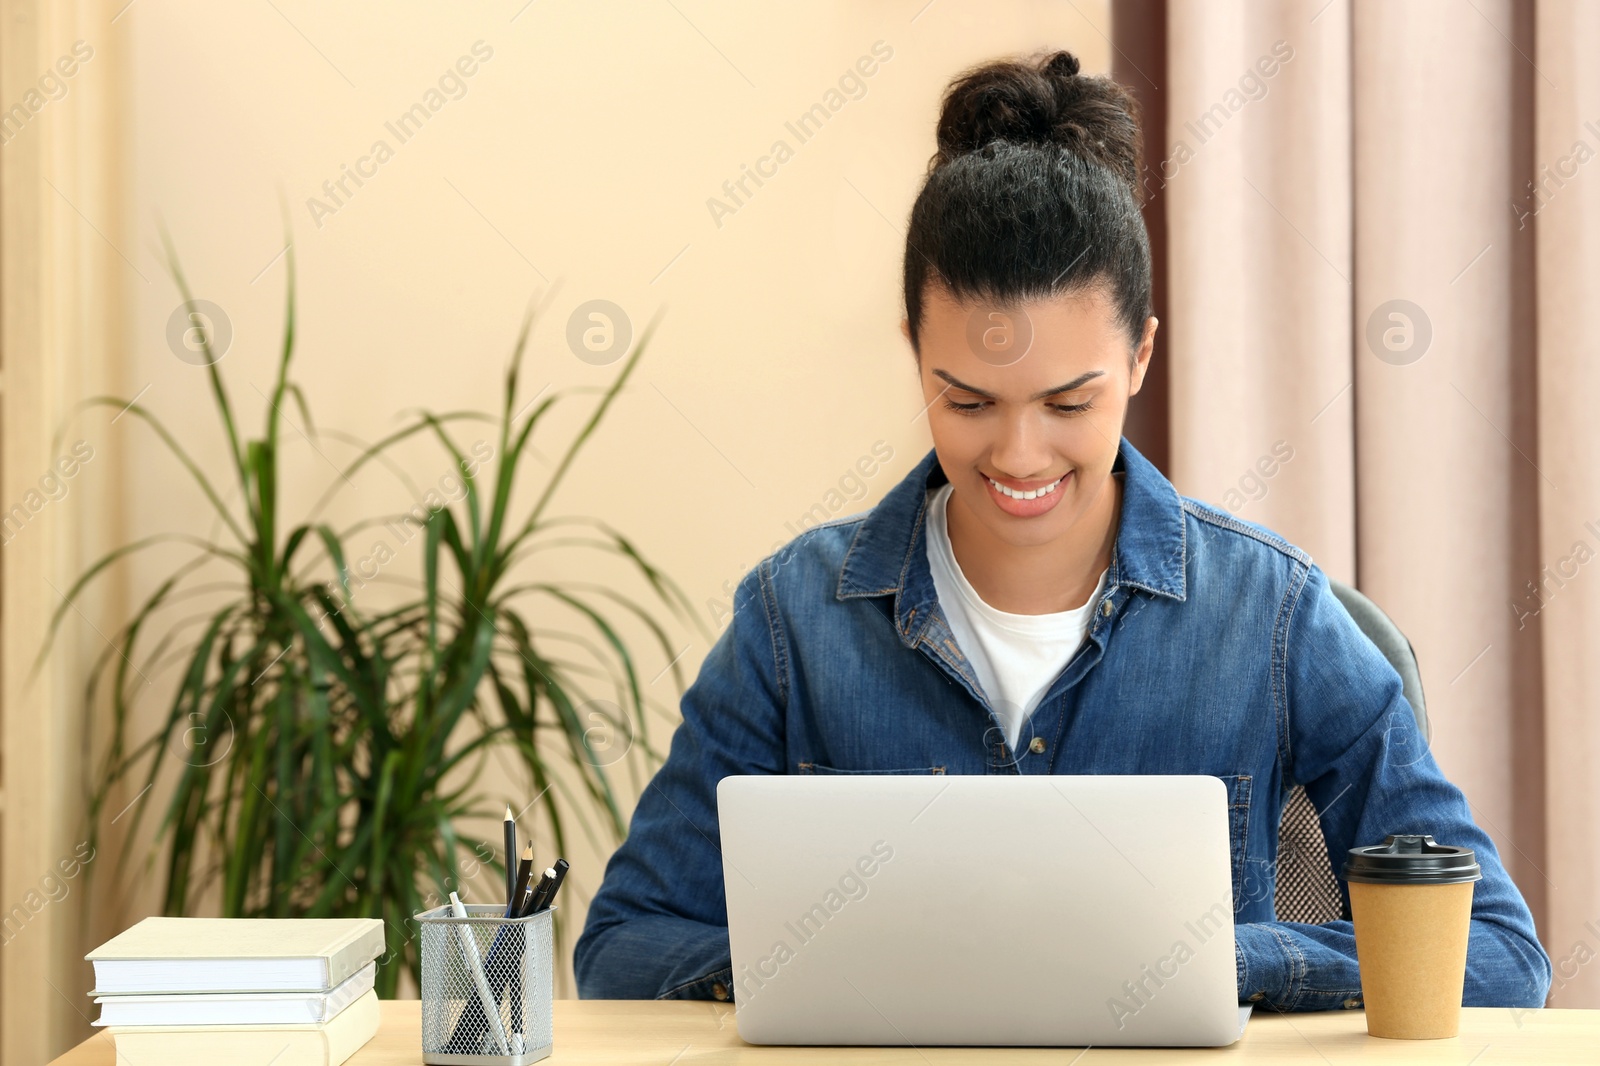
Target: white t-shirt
{"x": 1016, "y": 656}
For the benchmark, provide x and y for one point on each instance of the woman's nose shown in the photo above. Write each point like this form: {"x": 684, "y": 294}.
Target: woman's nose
{"x": 1020, "y": 450}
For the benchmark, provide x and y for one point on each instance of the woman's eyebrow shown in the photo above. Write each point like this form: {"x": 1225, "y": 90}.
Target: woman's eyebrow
{"x": 1076, "y": 383}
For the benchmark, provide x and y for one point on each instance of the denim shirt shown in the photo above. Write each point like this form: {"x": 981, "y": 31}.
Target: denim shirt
{"x": 1216, "y": 648}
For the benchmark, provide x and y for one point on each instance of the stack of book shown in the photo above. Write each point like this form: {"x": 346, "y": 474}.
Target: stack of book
{"x": 216, "y": 990}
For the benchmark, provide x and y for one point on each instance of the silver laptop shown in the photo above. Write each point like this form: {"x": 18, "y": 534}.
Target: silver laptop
{"x": 980, "y": 910}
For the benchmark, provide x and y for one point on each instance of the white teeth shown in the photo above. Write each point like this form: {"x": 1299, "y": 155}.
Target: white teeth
{"x": 1033, "y": 495}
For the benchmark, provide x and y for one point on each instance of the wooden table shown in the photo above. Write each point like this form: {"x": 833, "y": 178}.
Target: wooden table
{"x": 682, "y": 1033}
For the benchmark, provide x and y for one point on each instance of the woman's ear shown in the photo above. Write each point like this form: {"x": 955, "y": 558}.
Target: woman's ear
{"x": 1141, "y": 360}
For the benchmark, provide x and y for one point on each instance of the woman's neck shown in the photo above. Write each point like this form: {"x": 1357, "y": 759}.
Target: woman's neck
{"x": 1045, "y": 578}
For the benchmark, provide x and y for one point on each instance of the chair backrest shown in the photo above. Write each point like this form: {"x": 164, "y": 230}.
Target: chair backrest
{"x": 1306, "y": 888}
{"x": 1382, "y": 631}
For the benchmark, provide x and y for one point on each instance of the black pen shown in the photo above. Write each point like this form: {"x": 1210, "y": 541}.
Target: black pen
{"x": 559, "y": 870}
{"x": 536, "y": 892}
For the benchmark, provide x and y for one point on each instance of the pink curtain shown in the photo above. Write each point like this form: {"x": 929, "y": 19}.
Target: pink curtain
{"x": 1566, "y": 197}
{"x": 1380, "y": 221}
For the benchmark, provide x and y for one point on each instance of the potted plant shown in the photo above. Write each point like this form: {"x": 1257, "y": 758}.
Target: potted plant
{"x": 327, "y": 752}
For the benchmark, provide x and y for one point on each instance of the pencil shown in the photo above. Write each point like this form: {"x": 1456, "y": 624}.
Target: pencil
{"x": 511, "y": 850}
{"x": 520, "y": 886}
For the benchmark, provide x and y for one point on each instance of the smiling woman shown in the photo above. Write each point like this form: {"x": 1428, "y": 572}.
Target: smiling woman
{"x": 1028, "y": 445}
{"x": 1035, "y": 597}
{"x": 1031, "y": 325}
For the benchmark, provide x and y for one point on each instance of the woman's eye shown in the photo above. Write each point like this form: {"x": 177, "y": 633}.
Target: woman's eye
{"x": 968, "y": 407}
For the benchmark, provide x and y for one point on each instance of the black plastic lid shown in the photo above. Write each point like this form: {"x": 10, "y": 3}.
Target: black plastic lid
{"x": 1408, "y": 859}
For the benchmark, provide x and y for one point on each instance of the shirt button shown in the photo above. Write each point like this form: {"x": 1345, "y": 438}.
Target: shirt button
{"x": 719, "y": 990}
{"x": 1037, "y": 747}
{"x": 1258, "y": 997}
{"x": 1352, "y": 1003}
{"x": 1105, "y": 608}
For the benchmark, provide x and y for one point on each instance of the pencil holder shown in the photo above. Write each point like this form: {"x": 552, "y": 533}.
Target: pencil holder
{"x": 487, "y": 986}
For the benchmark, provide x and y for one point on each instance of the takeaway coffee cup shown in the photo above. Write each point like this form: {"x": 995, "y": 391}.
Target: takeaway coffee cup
{"x": 1411, "y": 901}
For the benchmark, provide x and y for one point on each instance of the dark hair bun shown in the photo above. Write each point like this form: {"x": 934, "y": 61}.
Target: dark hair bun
{"x": 1042, "y": 101}
{"x": 1061, "y": 65}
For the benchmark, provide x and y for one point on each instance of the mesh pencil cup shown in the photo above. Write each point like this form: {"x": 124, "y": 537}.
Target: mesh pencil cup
{"x": 487, "y": 987}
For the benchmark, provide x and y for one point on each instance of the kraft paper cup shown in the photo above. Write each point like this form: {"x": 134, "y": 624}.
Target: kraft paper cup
{"x": 1411, "y": 902}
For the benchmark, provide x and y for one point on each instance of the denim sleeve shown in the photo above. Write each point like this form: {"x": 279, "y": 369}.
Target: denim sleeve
{"x": 1348, "y": 734}
{"x": 658, "y": 926}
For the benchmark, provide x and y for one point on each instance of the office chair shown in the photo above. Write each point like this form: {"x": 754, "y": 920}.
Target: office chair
{"x": 1307, "y": 889}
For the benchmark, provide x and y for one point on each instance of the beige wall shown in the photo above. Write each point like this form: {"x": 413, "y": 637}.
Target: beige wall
{"x": 582, "y": 152}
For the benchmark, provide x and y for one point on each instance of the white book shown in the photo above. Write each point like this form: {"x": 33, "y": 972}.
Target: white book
{"x": 237, "y": 1008}
{"x": 234, "y": 955}
{"x": 327, "y": 1044}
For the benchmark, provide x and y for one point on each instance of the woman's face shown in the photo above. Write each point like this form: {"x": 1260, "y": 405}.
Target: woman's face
{"x": 1028, "y": 398}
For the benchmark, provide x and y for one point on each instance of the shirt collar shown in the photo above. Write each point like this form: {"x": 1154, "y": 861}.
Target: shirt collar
{"x": 889, "y": 551}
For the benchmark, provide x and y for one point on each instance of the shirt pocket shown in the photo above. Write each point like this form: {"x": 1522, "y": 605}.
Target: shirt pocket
{"x": 1238, "y": 788}
{"x": 819, "y": 768}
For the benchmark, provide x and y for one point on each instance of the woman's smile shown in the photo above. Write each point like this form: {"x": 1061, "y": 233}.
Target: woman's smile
{"x": 1027, "y": 499}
